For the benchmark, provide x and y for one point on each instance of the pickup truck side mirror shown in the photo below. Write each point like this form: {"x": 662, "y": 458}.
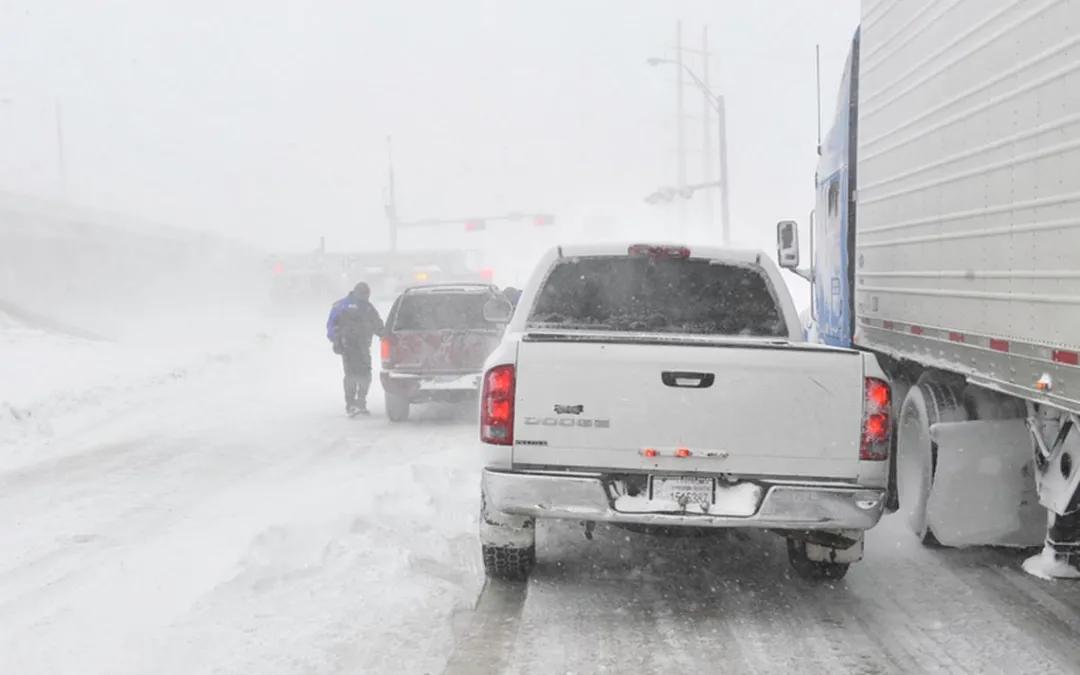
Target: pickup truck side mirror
{"x": 498, "y": 310}
{"x": 787, "y": 244}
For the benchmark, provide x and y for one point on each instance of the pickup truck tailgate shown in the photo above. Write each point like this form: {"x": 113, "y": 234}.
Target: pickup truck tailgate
{"x": 735, "y": 407}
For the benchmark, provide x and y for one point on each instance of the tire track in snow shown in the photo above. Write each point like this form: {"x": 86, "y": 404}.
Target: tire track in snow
{"x": 483, "y": 644}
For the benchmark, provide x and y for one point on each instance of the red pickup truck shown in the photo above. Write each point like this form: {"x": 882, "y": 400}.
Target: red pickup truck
{"x": 435, "y": 345}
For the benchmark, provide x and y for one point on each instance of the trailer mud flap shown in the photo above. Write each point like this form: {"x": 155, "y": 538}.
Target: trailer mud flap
{"x": 984, "y": 485}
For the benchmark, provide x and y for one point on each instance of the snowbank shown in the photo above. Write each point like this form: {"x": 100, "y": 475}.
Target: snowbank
{"x": 188, "y": 510}
{"x": 55, "y": 383}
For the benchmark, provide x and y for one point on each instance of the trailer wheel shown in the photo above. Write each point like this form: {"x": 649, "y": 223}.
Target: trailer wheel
{"x": 926, "y": 404}
{"x": 984, "y": 404}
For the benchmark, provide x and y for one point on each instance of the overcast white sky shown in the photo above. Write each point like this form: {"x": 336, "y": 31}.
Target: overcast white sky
{"x": 266, "y": 120}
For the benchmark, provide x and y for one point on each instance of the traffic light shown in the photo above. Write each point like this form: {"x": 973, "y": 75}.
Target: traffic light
{"x": 542, "y": 219}
{"x": 475, "y": 225}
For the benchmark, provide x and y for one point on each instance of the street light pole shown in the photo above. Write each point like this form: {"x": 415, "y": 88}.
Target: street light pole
{"x": 718, "y": 104}
{"x": 679, "y": 115}
{"x": 706, "y": 128}
{"x": 725, "y": 222}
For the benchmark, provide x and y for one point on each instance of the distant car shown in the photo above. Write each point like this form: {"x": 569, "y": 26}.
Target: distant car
{"x": 435, "y": 344}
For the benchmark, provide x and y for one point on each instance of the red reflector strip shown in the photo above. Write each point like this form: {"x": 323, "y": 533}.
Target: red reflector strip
{"x": 649, "y": 452}
{"x": 887, "y": 325}
{"x": 1066, "y": 357}
{"x": 683, "y": 452}
{"x": 999, "y": 345}
{"x": 956, "y": 337}
{"x": 916, "y": 330}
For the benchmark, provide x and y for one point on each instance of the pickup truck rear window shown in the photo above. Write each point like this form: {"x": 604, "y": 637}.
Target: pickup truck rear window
{"x": 688, "y": 296}
{"x": 442, "y": 311}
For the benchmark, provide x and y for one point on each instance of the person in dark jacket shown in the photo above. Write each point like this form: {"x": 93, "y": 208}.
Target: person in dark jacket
{"x": 513, "y": 295}
{"x": 353, "y": 322}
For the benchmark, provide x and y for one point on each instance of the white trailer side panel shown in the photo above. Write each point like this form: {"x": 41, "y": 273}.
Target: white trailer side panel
{"x": 968, "y": 232}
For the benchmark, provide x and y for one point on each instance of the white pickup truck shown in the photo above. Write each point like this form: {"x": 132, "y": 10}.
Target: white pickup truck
{"x": 663, "y": 386}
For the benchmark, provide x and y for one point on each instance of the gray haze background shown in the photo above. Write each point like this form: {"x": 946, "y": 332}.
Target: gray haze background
{"x": 266, "y": 120}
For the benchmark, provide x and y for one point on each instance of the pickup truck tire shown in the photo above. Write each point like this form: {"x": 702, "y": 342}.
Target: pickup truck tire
{"x": 926, "y": 404}
{"x": 813, "y": 570}
{"x": 397, "y": 407}
{"x": 509, "y": 562}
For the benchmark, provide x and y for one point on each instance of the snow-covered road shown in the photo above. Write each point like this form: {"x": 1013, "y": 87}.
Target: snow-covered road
{"x": 727, "y": 603}
{"x": 232, "y": 520}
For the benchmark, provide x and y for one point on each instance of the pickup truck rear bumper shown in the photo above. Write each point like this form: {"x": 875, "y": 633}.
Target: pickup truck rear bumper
{"x": 784, "y": 505}
{"x": 429, "y": 386}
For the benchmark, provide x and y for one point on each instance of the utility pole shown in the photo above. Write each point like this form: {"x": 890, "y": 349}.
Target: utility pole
{"x": 679, "y": 113}
{"x": 682, "y": 189}
{"x": 391, "y": 200}
{"x": 706, "y": 130}
{"x": 725, "y": 222}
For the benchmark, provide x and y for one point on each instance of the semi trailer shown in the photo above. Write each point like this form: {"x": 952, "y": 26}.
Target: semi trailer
{"x": 945, "y": 239}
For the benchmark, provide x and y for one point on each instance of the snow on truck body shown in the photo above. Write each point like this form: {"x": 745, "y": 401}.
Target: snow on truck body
{"x": 661, "y": 385}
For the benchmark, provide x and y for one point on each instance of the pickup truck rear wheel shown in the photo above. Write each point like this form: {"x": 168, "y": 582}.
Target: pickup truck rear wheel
{"x": 508, "y": 543}
{"x": 509, "y": 562}
{"x": 397, "y": 407}
{"x": 926, "y": 404}
{"x": 813, "y": 570}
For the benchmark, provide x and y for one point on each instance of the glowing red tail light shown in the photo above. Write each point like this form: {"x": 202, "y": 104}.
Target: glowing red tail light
{"x": 386, "y": 351}
{"x": 497, "y": 406}
{"x": 877, "y": 424}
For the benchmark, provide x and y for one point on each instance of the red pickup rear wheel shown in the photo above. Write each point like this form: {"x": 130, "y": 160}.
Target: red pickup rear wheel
{"x": 397, "y": 407}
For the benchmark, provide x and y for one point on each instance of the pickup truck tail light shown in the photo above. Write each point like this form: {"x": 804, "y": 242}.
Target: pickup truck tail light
{"x": 497, "y": 406}
{"x": 876, "y": 421}
{"x": 386, "y": 351}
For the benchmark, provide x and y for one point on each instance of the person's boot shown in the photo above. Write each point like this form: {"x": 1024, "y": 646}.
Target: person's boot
{"x": 363, "y": 384}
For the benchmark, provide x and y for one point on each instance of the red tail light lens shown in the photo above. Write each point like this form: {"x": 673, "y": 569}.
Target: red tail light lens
{"x": 497, "y": 406}
{"x": 877, "y": 423}
{"x": 386, "y": 351}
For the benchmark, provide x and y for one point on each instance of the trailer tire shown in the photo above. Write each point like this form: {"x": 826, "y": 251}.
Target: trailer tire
{"x": 926, "y": 404}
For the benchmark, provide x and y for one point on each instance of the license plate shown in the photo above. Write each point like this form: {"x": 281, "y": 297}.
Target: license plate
{"x": 683, "y": 490}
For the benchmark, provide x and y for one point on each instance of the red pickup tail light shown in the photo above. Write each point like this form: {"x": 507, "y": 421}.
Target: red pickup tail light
{"x": 877, "y": 421}
{"x": 497, "y": 406}
{"x": 386, "y": 351}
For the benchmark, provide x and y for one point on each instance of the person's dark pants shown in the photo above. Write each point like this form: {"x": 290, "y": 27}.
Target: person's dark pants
{"x": 357, "y": 379}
